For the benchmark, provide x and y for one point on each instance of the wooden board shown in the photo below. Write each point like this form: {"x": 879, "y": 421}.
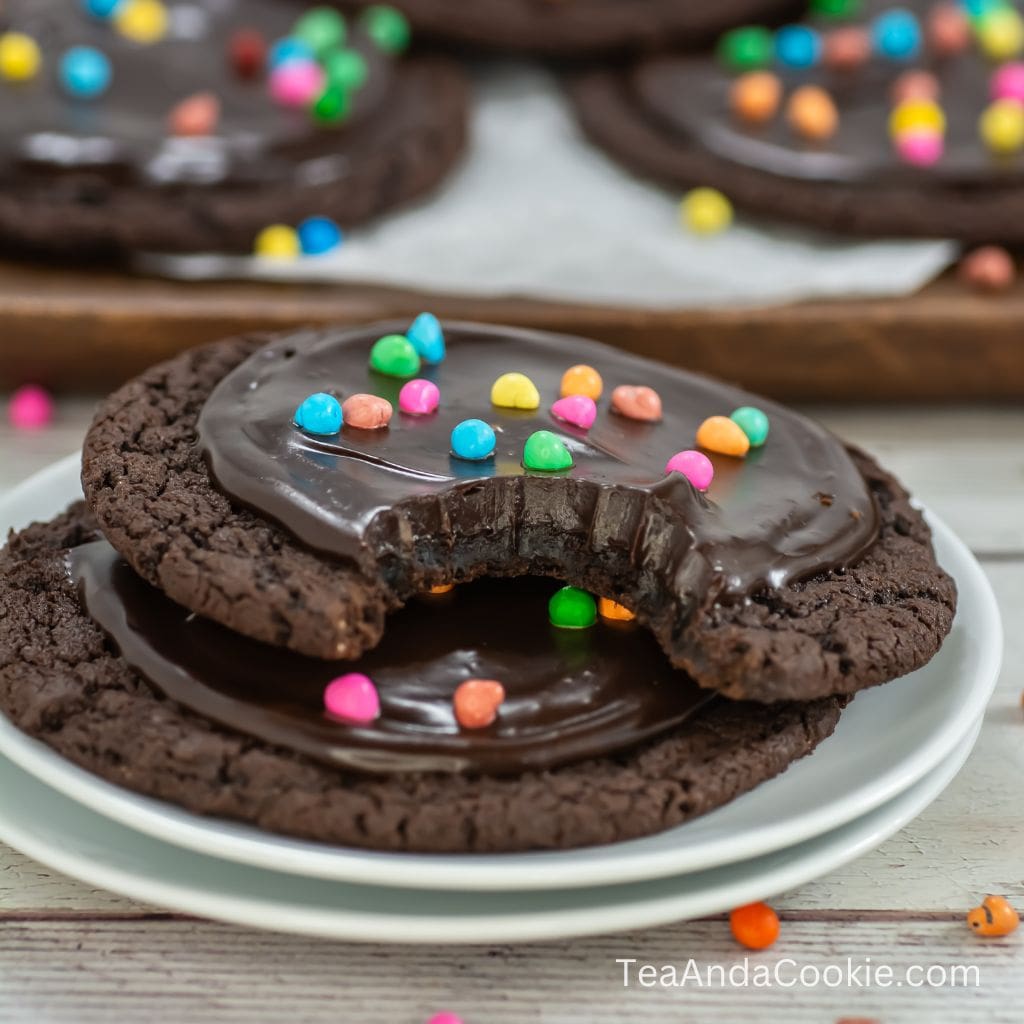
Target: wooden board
{"x": 91, "y": 330}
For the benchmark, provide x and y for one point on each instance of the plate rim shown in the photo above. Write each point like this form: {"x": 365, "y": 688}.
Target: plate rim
{"x": 246, "y": 844}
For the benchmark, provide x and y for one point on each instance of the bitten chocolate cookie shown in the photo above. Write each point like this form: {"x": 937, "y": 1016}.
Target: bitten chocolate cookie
{"x": 296, "y": 491}
{"x": 195, "y": 128}
{"x": 897, "y": 121}
{"x": 282, "y": 764}
{"x": 576, "y": 27}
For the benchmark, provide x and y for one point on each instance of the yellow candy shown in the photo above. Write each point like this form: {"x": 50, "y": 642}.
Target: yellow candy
{"x": 143, "y": 21}
{"x": 705, "y": 211}
{"x": 1001, "y": 34}
{"x": 515, "y": 391}
{"x": 723, "y": 435}
{"x": 917, "y": 116}
{"x": 19, "y": 57}
{"x": 278, "y": 242}
{"x": 1002, "y": 126}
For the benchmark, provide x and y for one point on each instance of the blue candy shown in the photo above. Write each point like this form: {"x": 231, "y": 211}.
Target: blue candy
{"x": 896, "y": 34}
{"x": 101, "y": 8}
{"x": 318, "y": 235}
{"x": 797, "y": 46}
{"x": 427, "y": 338}
{"x": 85, "y": 71}
{"x": 289, "y": 48}
{"x": 473, "y": 439}
{"x": 319, "y": 414}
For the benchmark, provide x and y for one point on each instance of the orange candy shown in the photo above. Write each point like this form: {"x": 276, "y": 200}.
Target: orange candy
{"x": 988, "y": 269}
{"x": 441, "y": 588}
{"x": 367, "y": 412}
{"x": 196, "y": 116}
{"x": 812, "y": 113}
{"x": 637, "y": 402}
{"x": 914, "y": 85}
{"x": 609, "y": 609}
{"x": 755, "y": 96}
{"x": 722, "y": 435}
{"x": 582, "y": 380}
{"x": 948, "y": 30}
{"x": 477, "y": 701}
{"x": 995, "y": 917}
{"x": 847, "y": 48}
{"x": 755, "y": 926}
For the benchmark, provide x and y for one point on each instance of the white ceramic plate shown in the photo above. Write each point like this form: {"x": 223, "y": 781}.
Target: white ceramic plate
{"x": 68, "y": 837}
{"x": 887, "y": 739}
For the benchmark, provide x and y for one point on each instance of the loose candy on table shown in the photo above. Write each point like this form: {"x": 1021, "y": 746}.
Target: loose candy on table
{"x": 85, "y": 72}
{"x": 917, "y": 115}
{"x": 427, "y": 337}
{"x": 695, "y": 466}
{"x": 352, "y": 697}
{"x": 546, "y": 452}
{"x": 947, "y": 30}
{"x": 296, "y": 83}
{"x": 196, "y": 116}
{"x": 846, "y": 48}
{"x": 20, "y": 58}
{"x": 836, "y": 8}
{"x": 613, "y": 611}
{"x": 747, "y": 48}
{"x": 915, "y": 85}
{"x": 332, "y": 106}
{"x": 811, "y": 113}
{"x": 579, "y": 410}
{"x": 988, "y": 269}
{"x": 445, "y": 1017}
{"x": 896, "y": 34}
{"x": 705, "y": 211}
{"x": 581, "y": 380}
{"x": 319, "y": 235}
{"x": 755, "y": 96}
{"x": 473, "y": 440}
{"x": 322, "y": 29}
{"x": 515, "y": 391}
{"x": 995, "y": 917}
{"x": 441, "y": 588}
{"x": 419, "y": 397}
{"x": 721, "y": 435}
{"x": 387, "y": 27}
{"x": 287, "y": 49}
{"x": 1000, "y": 33}
{"x": 346, "y": 69}
{"x": 366, "y": 412}
{"x": 320, "y": 414}
{"x": 797, "y": 46}
{"x": 476, "y": 702}
{"x": 572, "y": 608}
{"x": 920, "y": 148}
{"x": 1007, "y": 82}
{"x": 754, "y": 925}
{"x": 394, "y": 356}
{"x": 101, "y": 8}
{"x": 278, "y": 242}
{"x": 753, "y": 422}
{"x": 30, "y": 408}
{"x": 1001, "y": 127}
{"x": 142, "y": 21}
{"x": 637, "y": 402}
{"x": 247, "y": 52}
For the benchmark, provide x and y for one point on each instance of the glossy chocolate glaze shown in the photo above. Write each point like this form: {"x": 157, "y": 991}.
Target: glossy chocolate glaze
{"x": 690, "y": 97}
{"x": 571, "y": 694}
{"x": 122, "y": 135}
{"x": 790, "y": 509}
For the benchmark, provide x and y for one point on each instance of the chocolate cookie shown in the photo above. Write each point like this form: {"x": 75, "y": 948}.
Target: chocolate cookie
{"x": 907, "y": 154}
{"x": 200, "y": 138}
{"x": 802, "y": 572}
{"x": 63, "y": 682}
{"x": 576, "y": 27}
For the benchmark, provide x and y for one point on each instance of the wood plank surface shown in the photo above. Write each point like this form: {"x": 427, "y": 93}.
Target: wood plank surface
{"x": 78, "y": 330}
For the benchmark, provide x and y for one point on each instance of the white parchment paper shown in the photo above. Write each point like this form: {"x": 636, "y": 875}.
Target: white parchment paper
{"x": 536, "y": 211}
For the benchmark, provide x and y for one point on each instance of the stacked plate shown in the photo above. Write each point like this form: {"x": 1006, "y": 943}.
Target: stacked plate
{"x": 895, "y": 749}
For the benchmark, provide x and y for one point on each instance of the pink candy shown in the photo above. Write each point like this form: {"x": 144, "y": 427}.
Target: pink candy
{"x": 579, "y": 410}
{"x": 30, "y": 408}
{"x": 445, "y": 1018}
{"x": 296, "y": 83}
{"x": 695, "y": 466}
{"x": 419, "y": 397}
{"x": 1007, "y": 82}
{"x": 352, "y": 697}
{"x": 921, "y": 148}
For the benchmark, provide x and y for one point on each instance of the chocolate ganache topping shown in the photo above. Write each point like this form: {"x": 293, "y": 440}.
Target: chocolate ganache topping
{"x": 123, "y": 137}
{"x": 690, "y": 96}
{"x": 789, "y": 509}
{"x": 570, "y": 694}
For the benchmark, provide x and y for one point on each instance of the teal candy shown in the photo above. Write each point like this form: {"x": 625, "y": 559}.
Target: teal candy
{"x": 753, "y": 423}
{"x": 319, "y": 414}
{"x": 473, "y": 440}
{"x": 395, "y": 356}
{"x": 547, "y": 452}
{"x": 572, "y": 608}
{"x": 427, "y": 338}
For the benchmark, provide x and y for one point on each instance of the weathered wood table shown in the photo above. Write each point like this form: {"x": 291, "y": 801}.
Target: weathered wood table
{"x": 69, "y": 953}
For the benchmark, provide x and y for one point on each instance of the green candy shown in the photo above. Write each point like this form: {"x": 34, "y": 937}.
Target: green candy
{"x": 332, "y": 106}
{"x": 753, "y": 423}
{"x": 836, "y": 8}
{"x": 345, "y": 69}
{"x": 387, "y": 27}
{"x": 394, "y": 355}
{"x": 744, "y": 49}
{"x": 321, "y": 29}
{"x": 572, "y": 608}
{"x": 546, "y": 451}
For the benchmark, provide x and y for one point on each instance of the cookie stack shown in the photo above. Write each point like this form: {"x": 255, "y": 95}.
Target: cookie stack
{"x": 446, "y": 587}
